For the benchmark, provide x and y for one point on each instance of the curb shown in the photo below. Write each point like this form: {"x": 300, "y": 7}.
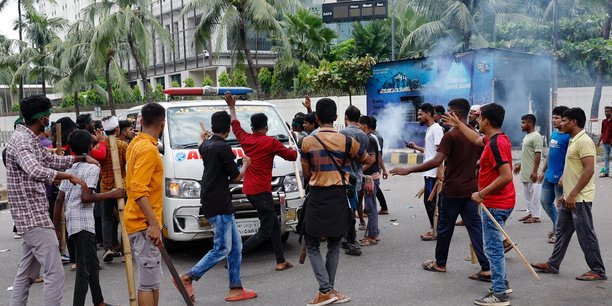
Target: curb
{"x": 403, "y": 158}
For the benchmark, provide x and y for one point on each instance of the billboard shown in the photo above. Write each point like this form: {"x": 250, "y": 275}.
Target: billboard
{"x": 354, "y": 11}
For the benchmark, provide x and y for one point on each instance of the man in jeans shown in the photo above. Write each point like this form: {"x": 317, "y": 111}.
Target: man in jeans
{"x": 80, "y": 223}
{"x": 553, "y": 169}
{"x": 371, "y": 181}
{"x": 576, "y": 203}
{"x": 606, "y": 139}
{"x": 496, "y": 192}
{"x": 327, "y": 211}
{"x": 261, "y": 149}
{"x": 380, "y": 196}
{"x": 528, "y": 168}
{"x": 460, "y": 181}
{"x": 28, "y": 167}
{"x": 110, "y": 222}
{"x": 351, "y": 121}
{"x": 216, "y": 200}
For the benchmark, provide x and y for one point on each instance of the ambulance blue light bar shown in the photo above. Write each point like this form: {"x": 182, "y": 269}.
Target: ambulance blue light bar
{"x": 207, "y": 91}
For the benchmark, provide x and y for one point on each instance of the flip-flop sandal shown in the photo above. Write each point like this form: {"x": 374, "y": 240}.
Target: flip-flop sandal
{"x": 480, "y": 277}
{"x": 245, "y": 295}
{"x": 188, "y": 288}
{"x": 544, "y": 268}
{"x": 287, "y": 266}
{"x": 39, "y": 279}
{"x": 427, "y": 238}
{"x": 363, "y": 227}
{"x": 429, "y": 265}
{"x": 367, "y": 242}
{"x": 591, "y": 276}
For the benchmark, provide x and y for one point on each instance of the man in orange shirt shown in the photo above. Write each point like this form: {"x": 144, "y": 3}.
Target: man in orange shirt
{"x": 143, "y": 211}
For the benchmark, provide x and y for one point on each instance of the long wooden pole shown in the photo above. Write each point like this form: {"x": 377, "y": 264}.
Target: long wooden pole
{"x": 523, "y": 259}
{"x": 60, "y": 151}
{"x": 127, "y": 250}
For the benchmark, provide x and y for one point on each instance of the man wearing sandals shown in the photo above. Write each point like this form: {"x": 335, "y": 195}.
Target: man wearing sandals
{"x": 528, "y": 168}
{"x": 460, "y": 181}
{"x": 496, "y": 192}
{"x": 216, "y": 199}
{"x": 371, "y": 181}
{"x": 433, "y": 136}
{"x": 578, "y": 182}
{"x": 326, "y": 161}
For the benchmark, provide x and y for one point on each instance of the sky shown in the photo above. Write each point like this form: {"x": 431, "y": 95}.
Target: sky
{"x": 7, "y": 17}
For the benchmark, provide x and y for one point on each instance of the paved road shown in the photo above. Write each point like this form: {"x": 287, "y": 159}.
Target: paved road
{"x": 387, "y": 274}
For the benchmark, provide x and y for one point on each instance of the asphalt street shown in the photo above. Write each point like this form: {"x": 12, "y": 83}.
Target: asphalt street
{"x": 387, "y": 274}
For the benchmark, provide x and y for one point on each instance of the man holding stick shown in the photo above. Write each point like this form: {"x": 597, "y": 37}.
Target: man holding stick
{"x": 143, "y": 211}
{"x": 216, "y": 199}
{"x": 575, "y": 204}
{"x": 460, "y": 181}
{"x": 29, "y": 166}
{"x": 262, "y": 149}
{"x": 496, "y": 192}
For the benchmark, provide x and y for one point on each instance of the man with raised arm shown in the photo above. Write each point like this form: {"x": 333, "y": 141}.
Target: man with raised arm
{"x": 262, "y": 149}
{"x": 495, "y": 191}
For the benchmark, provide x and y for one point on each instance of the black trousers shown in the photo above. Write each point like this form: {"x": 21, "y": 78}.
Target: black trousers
{"x": 87, "y": 273}
{"x": 269, "y": 228}
{"x": 430, "y": 206}
{"x": 381, "y": 199}
{"x": 110, "y": 224}
{"x": 449, "y": 209}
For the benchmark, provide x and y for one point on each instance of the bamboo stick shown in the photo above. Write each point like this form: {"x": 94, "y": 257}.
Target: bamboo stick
{"x": 473, "y": 258}
{"x": 296, "y": 169}
{"x": 60, "y": 151}
{"x": 523, "y": 259}
{"x": 127, "y": 250}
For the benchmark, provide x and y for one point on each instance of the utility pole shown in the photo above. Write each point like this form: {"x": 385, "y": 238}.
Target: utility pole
{"x": 392, "y": 30}
{"x": 555, "y": 63}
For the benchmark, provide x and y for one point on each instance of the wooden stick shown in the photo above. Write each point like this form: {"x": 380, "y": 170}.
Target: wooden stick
{"x": 60, "y": 151}
{"x": 175, "y": 276}
{"x": 202, "y": 126}
{"x": 127, "y": 250}
{"x": 473, "y": 258}
{"x": 437, "y": 188}
{"x": 420, "y": 193}
{"x": 523, "y": 259}
{"x": 296, "y": 170}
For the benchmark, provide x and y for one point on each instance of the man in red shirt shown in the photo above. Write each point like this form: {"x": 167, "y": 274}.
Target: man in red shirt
{"x": 261, "y": 149}
{"x": 495, "y": 191}
{"x": 606, "y": 140}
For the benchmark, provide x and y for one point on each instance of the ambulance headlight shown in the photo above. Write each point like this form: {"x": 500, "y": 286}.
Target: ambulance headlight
{"x": 290, "y": 183}
{"x": 188, "y": 189}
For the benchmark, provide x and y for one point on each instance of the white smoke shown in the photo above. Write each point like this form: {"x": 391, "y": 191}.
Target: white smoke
{"x": 390, "y": 125}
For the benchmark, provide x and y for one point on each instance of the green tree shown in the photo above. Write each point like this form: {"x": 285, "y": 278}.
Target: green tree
{"x": 189, "y": 82}
{"x": 239, "y": 78}
{"x": 129, "y": 21}
{"x": 136, "y": 94}
{"x": 158, "y": 93}
{"x": 224, "y": 79}
{"x": 348, "y": 76}
{"x": 208, "y": 81}
{"x": 373, "y": 39}
{"x": 236, "y": 17}
{"x": 265, "y": 79}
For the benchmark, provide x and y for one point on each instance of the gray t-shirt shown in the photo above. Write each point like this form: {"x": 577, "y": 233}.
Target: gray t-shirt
{"x": 80, "y": 216}
{"x": 354, "y": 132}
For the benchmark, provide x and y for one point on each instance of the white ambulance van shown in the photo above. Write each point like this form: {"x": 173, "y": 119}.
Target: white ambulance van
{"x": 183, "y": 169}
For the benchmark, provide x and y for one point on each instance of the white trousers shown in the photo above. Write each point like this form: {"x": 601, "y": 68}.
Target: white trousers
{"x": 532, "y": 198}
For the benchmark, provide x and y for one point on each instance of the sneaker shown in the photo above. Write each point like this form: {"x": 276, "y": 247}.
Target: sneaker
{"x": 508, "y": 289}
{"x": 493, "y": 299}
{"x": 345, "y": 245}
{"x": 342, "y": 298}
{"x": 552, "y": 238}
{"x": 604, "y": 175}
{"x": 353, "y": 251}
{"x": 323, "y": 299}
{"x": 65, "y": 259}
{"x": 17, "y": 236}
{"x": 108, "y": 256}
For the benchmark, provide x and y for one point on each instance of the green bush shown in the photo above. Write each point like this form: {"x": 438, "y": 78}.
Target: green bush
{"x": 15, "y": 107}
{"x": 175, "y": 84}
{"x": 240, "y": 78}
{"x": 224, "y": 79}
{"x": 136, "y": 94}
{"x": 158, "y": 94}
{"x": 189, "y": 82}
{"x": 265, "y": 80}
{"x": 208, "y": 81}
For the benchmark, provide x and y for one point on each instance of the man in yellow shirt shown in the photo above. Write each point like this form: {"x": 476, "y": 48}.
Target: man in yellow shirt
{"x": 143, "y": 211}
{"x": 575, "y": 205}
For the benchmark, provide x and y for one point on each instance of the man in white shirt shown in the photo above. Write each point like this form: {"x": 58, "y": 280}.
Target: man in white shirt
{"x": 433, "y": 136}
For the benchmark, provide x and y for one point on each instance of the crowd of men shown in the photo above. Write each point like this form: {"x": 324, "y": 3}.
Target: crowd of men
{"x": 467, "y": 172}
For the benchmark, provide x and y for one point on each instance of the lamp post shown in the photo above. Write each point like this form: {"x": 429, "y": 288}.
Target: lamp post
{"x": 392, "y": 30}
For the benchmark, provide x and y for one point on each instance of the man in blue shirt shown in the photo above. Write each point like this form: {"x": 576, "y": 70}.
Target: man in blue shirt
{"x": 553, "y": 169}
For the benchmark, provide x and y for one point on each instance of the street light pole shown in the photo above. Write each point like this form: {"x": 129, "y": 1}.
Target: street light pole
{"x": 392, "y": 30}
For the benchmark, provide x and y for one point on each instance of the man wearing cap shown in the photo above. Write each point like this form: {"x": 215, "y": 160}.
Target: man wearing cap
{"x": 107, "y": 183}
{"x": 28, "y": 167}
{"x": 261, "y": 149}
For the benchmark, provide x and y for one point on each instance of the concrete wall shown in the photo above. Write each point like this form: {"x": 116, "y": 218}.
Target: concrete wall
{"x": 582, "y": 97}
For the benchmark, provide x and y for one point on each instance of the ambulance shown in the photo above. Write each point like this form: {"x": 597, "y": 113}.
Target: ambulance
{"x": 183, "y": 167}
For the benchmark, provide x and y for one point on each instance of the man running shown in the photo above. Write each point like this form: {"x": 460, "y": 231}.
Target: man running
{"x": 28, "y": 167}
{"x": 261, "y": 149}
{"x": 217, "y": 207}
{"x": 496, "y": 192}
{"x": 575, "y": 205}
{"x": 460, "y": 181}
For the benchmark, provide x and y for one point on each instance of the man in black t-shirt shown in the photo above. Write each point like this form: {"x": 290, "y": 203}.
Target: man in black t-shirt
{"x": 460, "y": 181}
{"x": 216, "y": 199}
{"x": 371, "y": 182}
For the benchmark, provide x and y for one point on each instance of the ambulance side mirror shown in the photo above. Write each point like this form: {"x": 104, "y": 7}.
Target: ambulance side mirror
{"x": 160, "y": 147}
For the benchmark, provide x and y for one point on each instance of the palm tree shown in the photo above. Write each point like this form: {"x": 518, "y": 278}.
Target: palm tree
{"x": 373, "y": 39}
{"x": 602, "y": 63}
{"x": 233, "y": 16}
{"x": 306, "y": 40}
{"x": 466, "y": 23}
{"x": 127, "y": 21}
{"x": 407, "y": 20}
{"x": 35, "y": 59}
